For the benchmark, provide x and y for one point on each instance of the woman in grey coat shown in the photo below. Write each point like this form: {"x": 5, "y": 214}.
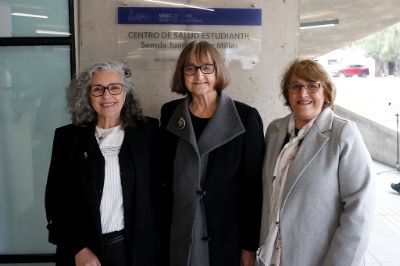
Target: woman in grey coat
{"x": 317, "y": 178}
{"x": 211, "y": 149}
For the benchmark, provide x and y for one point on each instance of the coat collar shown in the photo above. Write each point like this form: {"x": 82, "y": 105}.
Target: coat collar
{"x": 312, "y": 144}
{"x": 222, "y": 127}
{"x": 276, "y": 139}
{"x": 180, "y": 123}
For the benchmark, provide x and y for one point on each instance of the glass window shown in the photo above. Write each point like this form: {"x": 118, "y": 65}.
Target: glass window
{"x": 39, "y": 18}
{"x": 32, "y": 104}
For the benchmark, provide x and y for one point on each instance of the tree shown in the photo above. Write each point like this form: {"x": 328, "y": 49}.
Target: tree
{"x": 384, "y": 47}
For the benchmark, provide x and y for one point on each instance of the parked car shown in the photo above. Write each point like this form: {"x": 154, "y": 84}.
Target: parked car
{"x": 351, "y": 71}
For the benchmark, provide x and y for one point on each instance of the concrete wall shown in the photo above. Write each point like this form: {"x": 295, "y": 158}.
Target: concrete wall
{"x": 258, "y": 87}
{"x": 380, "y": 140}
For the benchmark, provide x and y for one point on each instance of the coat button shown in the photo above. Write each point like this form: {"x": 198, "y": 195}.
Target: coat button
{"x": 206, "y": 238}
{"x": 201, "y": 193}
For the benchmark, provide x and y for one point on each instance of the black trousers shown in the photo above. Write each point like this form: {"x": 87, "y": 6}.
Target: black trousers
{"x": 115, "y": 249}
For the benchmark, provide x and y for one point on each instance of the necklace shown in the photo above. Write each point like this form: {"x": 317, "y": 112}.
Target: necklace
{"x": 102, "y": 133}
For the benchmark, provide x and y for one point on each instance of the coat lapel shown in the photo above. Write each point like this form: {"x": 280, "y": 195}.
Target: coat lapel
{"x": 277, "y": 138}
{"x": 128, "y": 162}
{"x": 92, "y": 171}
{"x": 180, "y": 124}
{"x": 274, "y": 141}
{"x": 224, "y": 126}
{"x": 312, "y": 144}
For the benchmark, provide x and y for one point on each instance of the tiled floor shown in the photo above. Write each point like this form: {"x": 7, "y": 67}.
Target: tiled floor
{"x": 384, "y": 247}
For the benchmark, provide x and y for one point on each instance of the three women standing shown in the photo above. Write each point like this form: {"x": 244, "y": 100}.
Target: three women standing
{"x": 212, "y": 150}
{"x": 318, "y": 180}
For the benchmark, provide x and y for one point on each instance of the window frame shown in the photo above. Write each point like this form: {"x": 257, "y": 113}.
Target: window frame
{"x": 51, "y": 41}
{"x": 41, "y": 41}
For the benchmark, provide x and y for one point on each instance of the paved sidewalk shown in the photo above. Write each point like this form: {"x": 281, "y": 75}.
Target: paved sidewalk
{"x": 384, "y": 247}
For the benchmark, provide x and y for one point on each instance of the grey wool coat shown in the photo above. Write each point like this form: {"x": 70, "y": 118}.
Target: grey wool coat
{"x": 328, "y": 199}
{"x": 212, "y": 185}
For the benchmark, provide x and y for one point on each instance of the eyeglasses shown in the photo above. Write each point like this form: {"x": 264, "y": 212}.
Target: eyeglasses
{"x": 113, "y": 88}
{"x": 205, "y": 69}
{"x": 311, "y": 87}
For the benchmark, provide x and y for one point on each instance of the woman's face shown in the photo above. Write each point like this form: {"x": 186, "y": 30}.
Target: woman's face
{"x": 200, "y": 84}
{"x": 107, "y": 106}
{"x": 305, "y": 105}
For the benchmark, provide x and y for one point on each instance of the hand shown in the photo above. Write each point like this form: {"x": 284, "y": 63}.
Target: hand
{"x": 86, "y": 257}
{"x": 247, "y": 258}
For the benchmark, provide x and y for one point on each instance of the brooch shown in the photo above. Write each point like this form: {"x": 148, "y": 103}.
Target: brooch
{"x": 181, "y": 123}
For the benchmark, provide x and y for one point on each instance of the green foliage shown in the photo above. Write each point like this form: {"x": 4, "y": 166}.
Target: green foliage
{"x": 383, "y": 46}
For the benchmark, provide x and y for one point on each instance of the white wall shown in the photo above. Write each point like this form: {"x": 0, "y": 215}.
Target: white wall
{"x": 258, "y": 87}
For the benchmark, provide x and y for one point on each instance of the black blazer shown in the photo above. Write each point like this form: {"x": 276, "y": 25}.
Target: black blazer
{"x": 233, "y": 175}
{"x": 74, "y": 189}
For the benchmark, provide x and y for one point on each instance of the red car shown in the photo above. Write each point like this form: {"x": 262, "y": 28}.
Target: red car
{"x": 351, "y": 70}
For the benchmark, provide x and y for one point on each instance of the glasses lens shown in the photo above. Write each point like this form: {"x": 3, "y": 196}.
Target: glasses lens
{"x": 313, "y": 87}
{"x": 97, "y": 90}
{"x": 115, "y": 88}
{"x": 190, "y": 70}
{"x": 295, "y": 87}
{"x": 207, "y": 69}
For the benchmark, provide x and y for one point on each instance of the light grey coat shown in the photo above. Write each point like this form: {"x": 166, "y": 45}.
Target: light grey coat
{"x": 328, "y": 199}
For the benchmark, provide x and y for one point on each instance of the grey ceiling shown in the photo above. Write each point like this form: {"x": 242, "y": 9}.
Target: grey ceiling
{"x": 357, "y": 19}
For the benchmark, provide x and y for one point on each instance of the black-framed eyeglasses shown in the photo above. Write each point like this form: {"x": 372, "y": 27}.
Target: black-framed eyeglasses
{"x": 190, "y": 70}
{"x": 311, "y": 87}
{"x": 113, "y": 88}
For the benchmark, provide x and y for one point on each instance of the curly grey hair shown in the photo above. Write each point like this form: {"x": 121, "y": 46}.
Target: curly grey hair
{"x": 78, "y": 97}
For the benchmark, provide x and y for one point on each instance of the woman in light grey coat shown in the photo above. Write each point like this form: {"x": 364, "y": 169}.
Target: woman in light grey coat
{"x": 318, "y": 180}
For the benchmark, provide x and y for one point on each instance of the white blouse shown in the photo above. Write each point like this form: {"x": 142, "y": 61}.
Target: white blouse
{"x": 111, "y": 206}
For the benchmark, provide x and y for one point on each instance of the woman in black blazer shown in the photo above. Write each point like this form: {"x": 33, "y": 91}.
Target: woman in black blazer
{"x": 212, "y": 149}
{"x": 98, "y": 194}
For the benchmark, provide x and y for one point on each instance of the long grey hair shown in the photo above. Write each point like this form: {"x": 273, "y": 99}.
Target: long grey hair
{"x": 78, "y": 97}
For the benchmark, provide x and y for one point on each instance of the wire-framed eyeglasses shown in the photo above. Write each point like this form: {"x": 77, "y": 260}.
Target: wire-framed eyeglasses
{"x": 311, "y": 87}
{"x": 113, "y": 88}
{"x": 190, "y": 70}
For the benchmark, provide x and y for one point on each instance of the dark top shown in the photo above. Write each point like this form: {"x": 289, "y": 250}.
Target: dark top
{"x": 296, "y": 132}
{"x": 199, "y": 124}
